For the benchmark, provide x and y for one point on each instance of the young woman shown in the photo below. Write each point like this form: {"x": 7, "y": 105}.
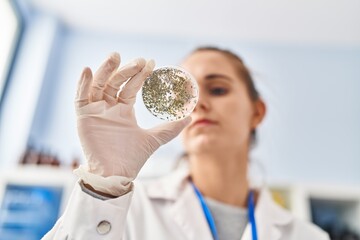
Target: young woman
{"x": 209, "y": 197}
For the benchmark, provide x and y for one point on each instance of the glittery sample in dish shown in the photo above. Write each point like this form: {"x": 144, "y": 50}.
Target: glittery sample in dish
{"x": 170, "y": 93}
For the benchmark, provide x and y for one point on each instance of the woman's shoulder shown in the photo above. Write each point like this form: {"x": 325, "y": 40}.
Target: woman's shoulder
{"x": 305, "y": 230}
{"x": 274, "y": 218}
{"x": 167, "y": 186}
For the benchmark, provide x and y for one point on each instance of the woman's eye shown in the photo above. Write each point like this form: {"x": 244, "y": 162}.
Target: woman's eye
{"x": 218, "y": 91}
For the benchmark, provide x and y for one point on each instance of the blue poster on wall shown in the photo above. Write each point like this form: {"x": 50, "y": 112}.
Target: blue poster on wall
{"x": 28, "y": 212}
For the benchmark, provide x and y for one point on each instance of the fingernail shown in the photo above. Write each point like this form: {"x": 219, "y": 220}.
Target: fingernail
{"x": 115, "y": 55}
{"x": 86, "y": 73}
{"x": 139, "y": 62}
{"x": 114, "y": 59}
{"x": 151, "y": 64}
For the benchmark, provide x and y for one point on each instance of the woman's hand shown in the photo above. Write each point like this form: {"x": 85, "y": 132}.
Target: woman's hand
{"x": 113, "y": 143}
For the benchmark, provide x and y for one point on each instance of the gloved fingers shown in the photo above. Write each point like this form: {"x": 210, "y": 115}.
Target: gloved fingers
{"x": 83, "y": 88}
{"x": 102, "y": 75}
{"x": 122, "y": 75}
{"x": 167, "y": 131}
{"x": 131, "y": 88}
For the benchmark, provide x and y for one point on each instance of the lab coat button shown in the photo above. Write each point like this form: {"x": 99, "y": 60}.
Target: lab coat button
{"x": 103, "y": 227}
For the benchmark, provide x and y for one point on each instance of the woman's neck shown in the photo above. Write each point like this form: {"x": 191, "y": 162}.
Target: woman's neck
{"x": 222, "y": 177}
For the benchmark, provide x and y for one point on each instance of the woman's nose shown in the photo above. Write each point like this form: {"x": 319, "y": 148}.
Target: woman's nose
{"x": 202, "y": 104}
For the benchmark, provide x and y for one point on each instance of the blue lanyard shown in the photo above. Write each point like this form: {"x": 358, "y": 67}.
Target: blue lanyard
{"x": 210, "y": 219}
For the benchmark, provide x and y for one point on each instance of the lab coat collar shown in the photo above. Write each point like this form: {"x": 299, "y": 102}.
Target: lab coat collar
{"x": 186, "y": 210}
{"x": 269, "y": 218}
{"x": 175, "y": 187}
{"x": 170, "y": 186}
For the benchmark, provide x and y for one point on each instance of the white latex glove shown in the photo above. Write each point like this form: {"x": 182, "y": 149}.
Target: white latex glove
{"x": 113, "y": 143}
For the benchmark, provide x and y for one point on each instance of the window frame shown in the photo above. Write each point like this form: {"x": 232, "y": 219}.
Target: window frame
{"x": 16, "y": 7}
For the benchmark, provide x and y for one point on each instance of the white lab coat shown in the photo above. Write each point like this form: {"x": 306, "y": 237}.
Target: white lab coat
{"x": 167, "y": 209}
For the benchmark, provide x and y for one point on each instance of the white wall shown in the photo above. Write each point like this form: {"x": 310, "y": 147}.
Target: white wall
{"x": 25, "y": 86}
{"x": 312, "y": 130}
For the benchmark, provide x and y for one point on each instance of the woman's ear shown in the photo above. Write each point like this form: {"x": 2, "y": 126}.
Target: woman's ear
{"x": 259, "y": 113}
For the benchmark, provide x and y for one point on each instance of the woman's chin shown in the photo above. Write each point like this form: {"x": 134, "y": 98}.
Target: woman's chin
{"x": 202, "y": 143}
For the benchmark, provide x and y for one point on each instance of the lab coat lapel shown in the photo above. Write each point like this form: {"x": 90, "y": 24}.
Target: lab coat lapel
{"x": 269, "y": 217}
{"x": 188, "y": 215}
{"x": 185, "y": 209}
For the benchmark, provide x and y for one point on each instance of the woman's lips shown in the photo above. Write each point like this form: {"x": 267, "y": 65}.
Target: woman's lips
{"x": 203, "y": 122}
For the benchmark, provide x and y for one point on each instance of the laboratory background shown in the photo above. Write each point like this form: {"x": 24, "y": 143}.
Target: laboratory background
{"x": 304, "y": 57}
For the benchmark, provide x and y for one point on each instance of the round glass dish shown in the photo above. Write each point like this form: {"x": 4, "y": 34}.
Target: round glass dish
{"x": 170, "y": 93}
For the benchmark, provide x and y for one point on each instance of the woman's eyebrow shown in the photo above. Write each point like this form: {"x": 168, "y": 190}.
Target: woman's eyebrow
{"x": 217, "y": 76}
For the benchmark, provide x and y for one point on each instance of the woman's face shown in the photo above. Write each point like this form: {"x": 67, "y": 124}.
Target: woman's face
{"x": 225, "y": 115}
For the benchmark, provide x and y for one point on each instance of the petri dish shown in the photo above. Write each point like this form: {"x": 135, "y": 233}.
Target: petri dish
{"x": 170, "y": 93}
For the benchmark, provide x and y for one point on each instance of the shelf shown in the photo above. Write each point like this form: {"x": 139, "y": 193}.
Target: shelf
{"x": 336, "y": 209}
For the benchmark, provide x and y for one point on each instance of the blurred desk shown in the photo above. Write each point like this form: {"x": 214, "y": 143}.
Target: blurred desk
{"x": 31, "y": 200}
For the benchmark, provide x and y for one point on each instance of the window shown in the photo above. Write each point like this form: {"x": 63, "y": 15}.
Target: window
{"x": 10, "y": 26}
